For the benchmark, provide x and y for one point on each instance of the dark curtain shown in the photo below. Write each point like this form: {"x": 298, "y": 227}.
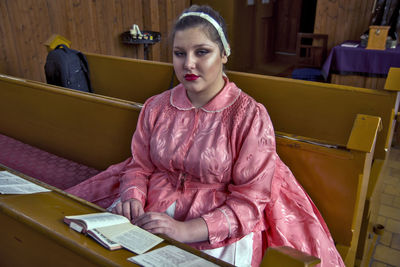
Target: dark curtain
{"x": 386, "y": 13}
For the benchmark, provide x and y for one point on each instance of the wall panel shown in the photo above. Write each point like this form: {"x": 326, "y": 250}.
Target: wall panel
{"x": 287, "y": 14}
{"x": 95, "y": 25}
{"x": 342, "y": 19}
{"x": 92, "y": 26}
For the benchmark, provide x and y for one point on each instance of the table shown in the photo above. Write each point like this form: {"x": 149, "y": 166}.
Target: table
{"x": 360, "y": 67}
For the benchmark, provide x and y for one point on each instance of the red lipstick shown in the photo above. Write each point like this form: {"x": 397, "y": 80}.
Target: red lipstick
{"x": 191, "y": 77}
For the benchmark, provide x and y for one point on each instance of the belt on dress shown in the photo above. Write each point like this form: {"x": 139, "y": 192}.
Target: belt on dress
{"x": 184, "y": 181}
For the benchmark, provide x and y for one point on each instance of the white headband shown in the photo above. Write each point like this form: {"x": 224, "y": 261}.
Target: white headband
{"x": 216, "y": 26}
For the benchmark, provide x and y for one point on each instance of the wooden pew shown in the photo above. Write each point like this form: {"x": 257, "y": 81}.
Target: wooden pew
{"x": 336, "y": 179}
{"x": 33, "y": 233}
{"x": 86, "y": 128}
{"x": 129, "y": 79}
{"x": 343, "y": 169}
{"x": 45, "y": 116}
{"x": 295, "y": 108}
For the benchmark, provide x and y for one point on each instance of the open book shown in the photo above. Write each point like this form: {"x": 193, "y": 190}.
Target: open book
{"x": 113, "y": 231}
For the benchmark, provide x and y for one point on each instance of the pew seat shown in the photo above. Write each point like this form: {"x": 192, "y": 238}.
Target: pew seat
{"x": 42, "y": 165}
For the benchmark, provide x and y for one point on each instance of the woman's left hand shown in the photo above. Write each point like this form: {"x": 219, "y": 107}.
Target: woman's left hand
{"x": 160, "y": 223}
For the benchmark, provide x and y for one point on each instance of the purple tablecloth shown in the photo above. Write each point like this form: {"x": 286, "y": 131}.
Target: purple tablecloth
{"x": 361, "y": 61}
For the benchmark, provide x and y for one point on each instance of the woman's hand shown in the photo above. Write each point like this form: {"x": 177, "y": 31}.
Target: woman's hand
{"x": 160, "y": 223}
{"x": 131, "y": 209}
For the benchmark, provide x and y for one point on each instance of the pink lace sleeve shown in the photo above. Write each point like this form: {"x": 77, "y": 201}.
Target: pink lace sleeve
{"x": 251, "y": 180}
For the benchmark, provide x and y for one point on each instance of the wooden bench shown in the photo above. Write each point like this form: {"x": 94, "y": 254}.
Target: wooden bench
{"x": 342, "y": 171}
{"x": 295, "y": 108}
{"x": 33, "y": 233}
{"x": 90, "y": 129}
{"x": 336, "y": 179}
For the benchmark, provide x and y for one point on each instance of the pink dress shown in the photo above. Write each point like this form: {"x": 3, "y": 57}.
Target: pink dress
{"x": 217, "y": 162}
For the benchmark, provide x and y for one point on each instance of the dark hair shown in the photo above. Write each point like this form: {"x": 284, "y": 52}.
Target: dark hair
{"x": 195, "y": 21}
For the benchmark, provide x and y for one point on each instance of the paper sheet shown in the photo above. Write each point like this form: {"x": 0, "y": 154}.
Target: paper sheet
{"x": 170, "y": 256}
{"x": 13, "y": 184}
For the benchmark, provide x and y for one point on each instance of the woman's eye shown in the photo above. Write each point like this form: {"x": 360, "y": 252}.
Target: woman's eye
{"x": 202, "y": 52}
{"x": 178, "y": 54}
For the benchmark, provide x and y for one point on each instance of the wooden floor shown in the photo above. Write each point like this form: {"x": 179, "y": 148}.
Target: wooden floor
{"x": 275, "y": 68}
{"x": 281, "y": 66}
{"x": 387, "y": 250}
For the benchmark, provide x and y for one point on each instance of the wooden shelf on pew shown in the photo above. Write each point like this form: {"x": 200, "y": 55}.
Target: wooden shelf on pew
{"x": 33, "y": 232}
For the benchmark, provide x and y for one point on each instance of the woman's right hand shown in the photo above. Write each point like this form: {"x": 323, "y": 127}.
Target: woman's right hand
{"x": 131, "y": 209}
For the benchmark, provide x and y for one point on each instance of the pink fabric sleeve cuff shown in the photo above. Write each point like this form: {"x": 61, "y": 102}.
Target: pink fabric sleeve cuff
{"x": 133, "y": 192}
{"x": 220, "y": 223}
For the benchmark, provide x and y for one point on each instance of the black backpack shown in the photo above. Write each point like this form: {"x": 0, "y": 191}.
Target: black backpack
{"x": 67, "y": 68}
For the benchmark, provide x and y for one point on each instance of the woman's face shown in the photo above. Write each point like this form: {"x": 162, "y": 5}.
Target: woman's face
{"x": 198, "y": 64}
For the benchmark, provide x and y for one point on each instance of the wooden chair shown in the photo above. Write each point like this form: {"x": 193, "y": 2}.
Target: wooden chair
{"x": 311, "y": 50}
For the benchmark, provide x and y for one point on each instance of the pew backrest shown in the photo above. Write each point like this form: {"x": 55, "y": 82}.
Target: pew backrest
{"x": 312, "y": 110}
{"x": 86, "y": 128}
{"x": 321, "y": 111}
{"x": 134, "y": 80}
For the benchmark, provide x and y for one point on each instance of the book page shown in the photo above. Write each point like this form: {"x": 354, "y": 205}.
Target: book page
{"x": 102, "y": 239}
{"x": 131, "y": 237}
{"x": 96, "y": 220}
{"x": 170, "y": 256}
{"x": 13, "y": 184}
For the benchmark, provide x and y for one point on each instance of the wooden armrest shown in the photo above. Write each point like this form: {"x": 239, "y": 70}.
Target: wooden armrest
{"x": 364, "y": 133}
{"x": 393, "y": 80}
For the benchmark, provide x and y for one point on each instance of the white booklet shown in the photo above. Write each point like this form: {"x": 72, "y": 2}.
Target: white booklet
{"x": 13, "y": 184}
{"x": 113, "y": 231}
{"x": 170, "y": 256}
{"x": 350, "y": 44}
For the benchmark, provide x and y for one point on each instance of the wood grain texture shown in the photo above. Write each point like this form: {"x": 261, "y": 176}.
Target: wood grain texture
{"x": 91, "y": 25}
{"x": 287, "y": 25}
{"x": 95, "y": 26}
{"x": 342, "y": 19}
{"x": 359, "y": 81}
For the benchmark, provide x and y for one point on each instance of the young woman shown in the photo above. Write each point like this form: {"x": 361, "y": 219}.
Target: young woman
{"x": 204, "y": 169}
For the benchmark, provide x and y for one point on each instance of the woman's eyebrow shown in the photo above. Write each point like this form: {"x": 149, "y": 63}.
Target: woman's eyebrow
{"x": 195, "y": 46}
